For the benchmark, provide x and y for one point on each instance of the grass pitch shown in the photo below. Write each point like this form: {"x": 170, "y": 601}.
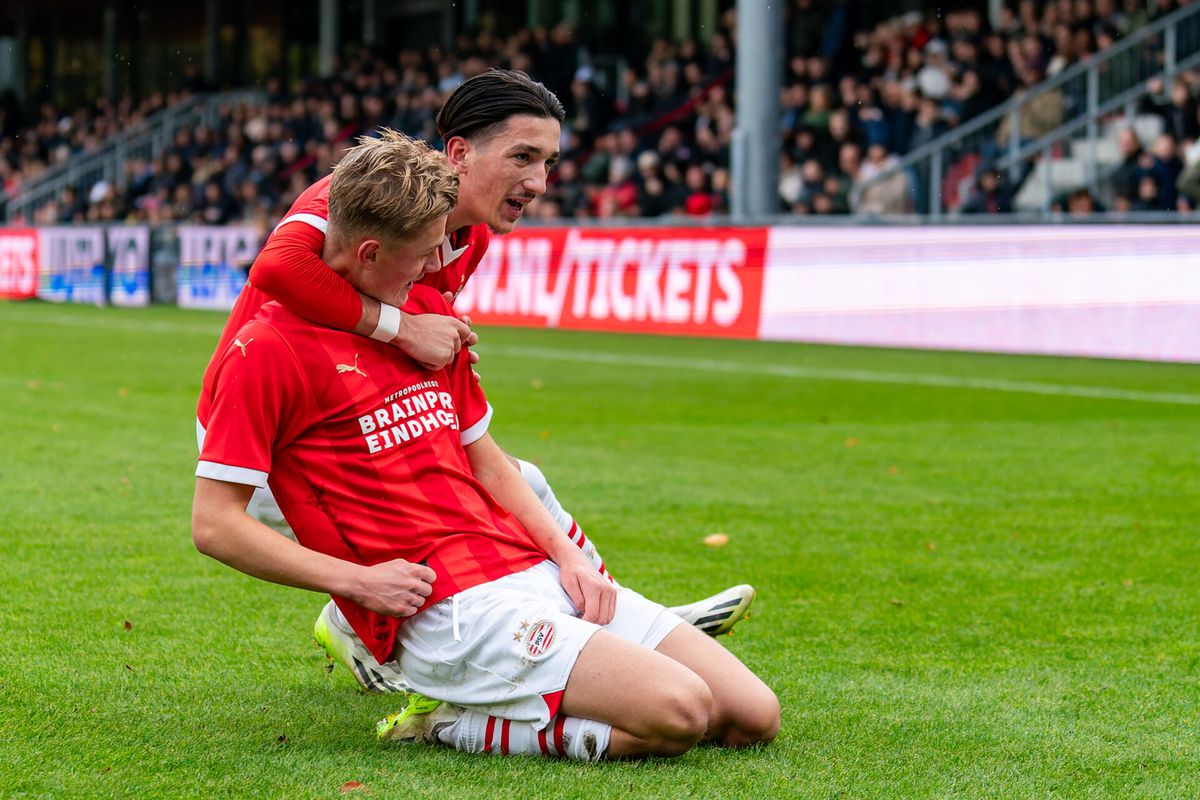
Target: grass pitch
{"x": 977, "y": 574}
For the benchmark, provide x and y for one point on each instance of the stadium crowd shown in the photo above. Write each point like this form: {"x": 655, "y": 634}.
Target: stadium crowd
{"x": 856, "y": 95}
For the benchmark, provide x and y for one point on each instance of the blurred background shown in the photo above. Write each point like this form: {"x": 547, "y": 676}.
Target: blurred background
{"x": 224, "y": 111}
{"x": 148, "y": 148}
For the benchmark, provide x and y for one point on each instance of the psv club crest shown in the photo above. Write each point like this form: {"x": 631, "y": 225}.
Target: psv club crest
{"x": 540, "y": 638}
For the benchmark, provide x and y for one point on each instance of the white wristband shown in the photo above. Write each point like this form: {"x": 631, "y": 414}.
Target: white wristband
{"x": 389, "y": 323}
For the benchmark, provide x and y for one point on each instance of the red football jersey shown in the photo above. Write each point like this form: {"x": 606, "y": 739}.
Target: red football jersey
{"x": 364, "y": 449}
{"x": 289, "y": 269}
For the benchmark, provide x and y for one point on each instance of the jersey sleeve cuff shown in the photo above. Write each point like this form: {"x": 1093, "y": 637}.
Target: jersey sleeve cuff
{"x": 320, "y": 223}
{"x": 476, "y": 431}
{"x": 249, "y": 477}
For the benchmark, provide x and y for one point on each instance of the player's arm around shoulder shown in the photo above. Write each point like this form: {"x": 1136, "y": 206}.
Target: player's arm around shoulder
{"x": 430, "y": 333}
{"x": 592, "y": 594}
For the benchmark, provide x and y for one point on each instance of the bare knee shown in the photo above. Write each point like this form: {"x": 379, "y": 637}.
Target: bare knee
{"x": 682, "y": 717}
{"x": 756, "y": 720}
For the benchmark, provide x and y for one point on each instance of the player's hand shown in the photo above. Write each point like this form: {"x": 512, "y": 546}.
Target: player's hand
{"x": 592, "y": 593}
{"x": 433, "y": 340}
{"x": 396, "y": 588}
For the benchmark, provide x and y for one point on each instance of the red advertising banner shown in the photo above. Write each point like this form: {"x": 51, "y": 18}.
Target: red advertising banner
{"x": 18, "y": 262}
{"x": 691, "y": 281}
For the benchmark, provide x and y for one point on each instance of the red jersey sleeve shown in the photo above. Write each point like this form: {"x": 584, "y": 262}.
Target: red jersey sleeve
{"x": 259, "y": 402}
{"x": 474, "y": 411}
{"x": 289, "y": 269}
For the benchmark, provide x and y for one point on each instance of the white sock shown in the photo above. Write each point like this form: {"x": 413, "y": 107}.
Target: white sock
{"x": 566, "y": 737}
{"x": 541, "y": 487}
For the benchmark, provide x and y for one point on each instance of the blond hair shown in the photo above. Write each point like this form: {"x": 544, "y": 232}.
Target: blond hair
{"x": 389, "y": 187}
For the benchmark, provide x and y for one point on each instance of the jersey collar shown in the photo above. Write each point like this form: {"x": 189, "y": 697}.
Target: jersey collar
{"x": 449, "y": 253}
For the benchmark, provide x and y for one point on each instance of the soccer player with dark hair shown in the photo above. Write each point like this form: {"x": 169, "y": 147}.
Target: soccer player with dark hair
{"x": 434, "y": 548}
{"x": 501, "y": 133}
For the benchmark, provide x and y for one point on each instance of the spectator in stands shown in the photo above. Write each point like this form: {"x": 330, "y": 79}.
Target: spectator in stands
{"x": 1188, "y": 184}
{"x": 813, "y": 176}
{"x": 892, "y": 195}
{"x": 587, "y": 110}
{"x": 214, "y": 206}
{"x": 655, "y": 196}
{"x": 1136, "y": 14}
{"x": 793, "y": 102}
{"x": 928, "y": 124}
{"x": 1179, "y": 113}
{"x": 1040, "y": 116}
{"x": 965, "y": 99}
{"x": 842, "y": 179}
{"x": 791, "y": 180}
{"x": 71, "y": 208}
{"x": 906, "y": 82}
{"x": 806, "y": 23}
{"x": 569, "y": 190}
{"x": 869, "y": 122}
{"x": 820, "y": 106}
{"x": 933, "y": 79}
{"x": 1126, "y": 177}
{"x": 1081, "y": 203}
{"x": 700, "y": 201}
{"x": 991, "y": 195}
{"x": 996, "y": 69}
{"x": 1147, "y": 197}
{"x": 1164, "y": 166}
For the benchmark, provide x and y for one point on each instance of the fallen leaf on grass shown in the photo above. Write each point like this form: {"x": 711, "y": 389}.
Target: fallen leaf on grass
{"x": 354, "y": 786}
{"x": 122, "y": 392}
{"x": 128, "y": 625}
{"x": 893, "y": 470}
{"x": 930, "y": 546}
{"x": 851, "y": 441}
{"x": 716, "y": 540}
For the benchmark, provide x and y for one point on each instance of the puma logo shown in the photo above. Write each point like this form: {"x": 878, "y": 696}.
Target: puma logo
{"x": 238, "y": 343}
{"x": 342, "y": 368}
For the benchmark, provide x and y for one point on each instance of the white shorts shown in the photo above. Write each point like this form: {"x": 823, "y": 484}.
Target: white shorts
{"x": 509, "y": 647}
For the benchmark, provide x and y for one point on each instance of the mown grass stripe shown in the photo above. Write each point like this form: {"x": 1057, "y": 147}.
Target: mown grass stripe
{"x": 793, "y": 371}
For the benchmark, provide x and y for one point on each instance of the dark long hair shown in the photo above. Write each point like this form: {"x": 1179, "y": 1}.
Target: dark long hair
{"x": 483, "y": 103}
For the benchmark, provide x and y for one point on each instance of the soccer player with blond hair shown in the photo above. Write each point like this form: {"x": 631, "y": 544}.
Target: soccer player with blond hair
{"x": 501, "y": 132}
{"x": 436, "y": 551}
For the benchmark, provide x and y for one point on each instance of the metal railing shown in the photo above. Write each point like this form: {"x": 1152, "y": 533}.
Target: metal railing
{"x": 146, "y": 140}
{"x": 1047, "y": 119}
